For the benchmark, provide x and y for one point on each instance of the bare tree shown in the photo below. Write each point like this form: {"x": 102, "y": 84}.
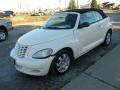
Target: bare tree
{"x": 72, "y": 4}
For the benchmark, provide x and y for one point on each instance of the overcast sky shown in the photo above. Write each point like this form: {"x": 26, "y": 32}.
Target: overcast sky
{"x": 28, "y": 5}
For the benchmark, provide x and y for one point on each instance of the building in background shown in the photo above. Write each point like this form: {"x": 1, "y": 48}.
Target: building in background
{"x": 31, "y": 5}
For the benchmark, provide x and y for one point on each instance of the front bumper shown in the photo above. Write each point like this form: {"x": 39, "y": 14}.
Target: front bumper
{"x": 31, "y": 66}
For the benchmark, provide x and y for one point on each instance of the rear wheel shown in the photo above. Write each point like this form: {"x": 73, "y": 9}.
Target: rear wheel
{"x": 61, "y": 62}
{"x": 2, "y": 35}
{"x": 107, "y": 40}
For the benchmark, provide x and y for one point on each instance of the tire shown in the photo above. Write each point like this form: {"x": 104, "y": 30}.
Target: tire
{"x": 3, "y": 35}
{"x": 108, "y": 38}
{"x": 61, "y": 63}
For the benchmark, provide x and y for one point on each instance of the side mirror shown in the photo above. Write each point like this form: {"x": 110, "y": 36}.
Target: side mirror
{"x": 85, "y": 24}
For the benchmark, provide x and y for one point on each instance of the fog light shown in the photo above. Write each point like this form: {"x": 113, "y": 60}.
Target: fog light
{"x": 35, "y": 71}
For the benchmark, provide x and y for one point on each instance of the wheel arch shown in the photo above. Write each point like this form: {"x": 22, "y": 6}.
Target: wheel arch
{"x": 68, "y": 49}
{"x": 5, "y": 29}
{"x": 110, "y": 30}
{"x": 51, "y": 69}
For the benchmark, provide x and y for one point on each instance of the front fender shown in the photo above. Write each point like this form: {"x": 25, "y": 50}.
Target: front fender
{"x": 57, "y": 45}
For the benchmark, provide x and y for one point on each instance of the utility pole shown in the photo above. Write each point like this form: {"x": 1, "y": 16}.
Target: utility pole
{"x": 77, "y": 4}
{"x": 65, "y": 5}
{"x": 20, "y": 7}
{"x": 59, "y": 4}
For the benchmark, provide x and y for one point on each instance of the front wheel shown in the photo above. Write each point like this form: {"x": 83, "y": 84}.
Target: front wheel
{"x": 61, "y": 62}
{"x": 107, "y": 40}
{"x": 2, "y": 35}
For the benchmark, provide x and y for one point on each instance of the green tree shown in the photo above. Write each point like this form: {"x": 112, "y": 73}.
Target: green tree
{"x": 94, "y": 4}
{"x": 72, "y": 4}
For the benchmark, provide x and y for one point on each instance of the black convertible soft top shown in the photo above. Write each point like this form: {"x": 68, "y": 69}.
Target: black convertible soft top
{"x": 87, "y": 10}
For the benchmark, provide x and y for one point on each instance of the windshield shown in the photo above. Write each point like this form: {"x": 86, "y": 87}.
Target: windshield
{"x": 61, "y": 21}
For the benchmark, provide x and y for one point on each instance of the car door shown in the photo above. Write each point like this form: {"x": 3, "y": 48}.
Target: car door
{"x": 100, "y": 25}
{"x": 86, "y": 36}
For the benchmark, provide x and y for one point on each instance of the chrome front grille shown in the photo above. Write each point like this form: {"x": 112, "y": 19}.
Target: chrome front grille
{"x": 21, "y": 50}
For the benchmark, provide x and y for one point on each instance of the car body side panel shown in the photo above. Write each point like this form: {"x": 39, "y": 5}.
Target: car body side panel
{"x": 57, "y": 45}
{"x": 107, "y": 25}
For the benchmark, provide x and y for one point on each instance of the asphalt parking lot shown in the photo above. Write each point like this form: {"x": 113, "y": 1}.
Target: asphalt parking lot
{"x": 11, "y": 79}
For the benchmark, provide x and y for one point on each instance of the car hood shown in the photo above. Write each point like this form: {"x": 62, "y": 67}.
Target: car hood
{"x": 38, "y": 36}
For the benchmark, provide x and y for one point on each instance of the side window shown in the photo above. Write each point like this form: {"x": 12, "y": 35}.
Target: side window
{"x": 97, "y": 16}
{"x": 90, "y": 17}
{"x": 87, "y": 17}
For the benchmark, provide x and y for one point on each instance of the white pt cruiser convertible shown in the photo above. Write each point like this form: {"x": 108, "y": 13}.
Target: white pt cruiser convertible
{"x": 64, "y": 37}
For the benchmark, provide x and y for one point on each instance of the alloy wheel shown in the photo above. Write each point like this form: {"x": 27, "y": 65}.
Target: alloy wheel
{"x": 63, "y": 63}
{"x": 2, "y": 36}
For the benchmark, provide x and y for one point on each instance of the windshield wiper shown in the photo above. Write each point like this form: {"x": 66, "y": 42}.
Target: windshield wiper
{"x": 49, "y": 27}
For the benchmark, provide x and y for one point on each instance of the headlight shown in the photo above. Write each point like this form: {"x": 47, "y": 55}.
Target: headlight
{"x": 43, "y": 53}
